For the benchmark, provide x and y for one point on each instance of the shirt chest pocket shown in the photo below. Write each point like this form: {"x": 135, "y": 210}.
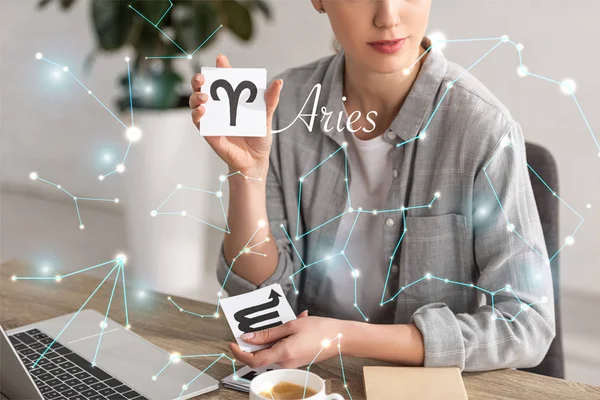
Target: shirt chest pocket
{"x": 441, "y": 246}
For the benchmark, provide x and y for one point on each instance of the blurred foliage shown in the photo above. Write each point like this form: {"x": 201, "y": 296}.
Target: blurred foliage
{"x": 189, "y": 23}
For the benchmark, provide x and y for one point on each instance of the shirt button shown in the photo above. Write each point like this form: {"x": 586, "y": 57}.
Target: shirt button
{"x": 394, "y": 269}
{"x": 395, "y": 173}
{"x": 391, "y": 135}
{"x": 389, "y": 222}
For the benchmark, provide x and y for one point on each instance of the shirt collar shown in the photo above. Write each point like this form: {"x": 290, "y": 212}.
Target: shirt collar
{"x": 417, "y": 106}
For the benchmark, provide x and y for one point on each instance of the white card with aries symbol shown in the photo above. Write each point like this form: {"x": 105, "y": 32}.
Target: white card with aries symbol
{"x": 255, "y": 311}
{"x": 236, "y": 102}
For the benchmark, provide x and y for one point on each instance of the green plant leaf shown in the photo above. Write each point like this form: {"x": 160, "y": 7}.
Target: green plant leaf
{"x": 112, "y": 23}
{"x": 261, "y": 6}
{"x": 238, "y": 19}
{"x": 207, "y": 21}
{"x": 43, "y": 3}
{"x": 66, "y": 4}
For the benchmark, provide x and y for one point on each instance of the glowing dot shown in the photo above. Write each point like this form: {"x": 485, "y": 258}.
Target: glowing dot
{"x": 66, "y": 69}
{"x": 360, "y": 208}
{"x": 141, "y": 294}
{"x": 184, "y": 387}
{"x": 339, "y": 345}
{"x": 522, "y": 71}
{"x": 345, "y": 144}
{"x": 301, "y": 179}
{"x": 261, "y": 223}
{"x": 437, "y": 41}
{"x": 154, "y": 377}
{"x": 267, "y": 239}
{"x": 355, "y": 273}
{"x": 216, "y": 315}
{"x": 445, "y": 280}
{"x": 523, "y": 306}
{"x": 406, "y": 71}
{"x": 219, "y": 294}
{"x": 153, "y": 213}
{"x": 350, "y": 209}
{"x": 56, "y": 75}
{"x": 505, "y": 38}
{"x": 355, "y": 305}
{"x": 296, "y": 238}
{"x": 428, "y": 276}
{"x": 121, "y": 258}
{"x": 471, "y": 285}
{"x": 510, "y": 227}
{"x": 494, "y": 317}
{"x": 367, "y": 319}
{"x": 103, "y": 324}
{"x": 569, "y": 240}
{"x": 297, "y": 292}
{"x": 520, "y": 47}
{"x": 325, "y": 343}
{"x": 175, "y": 357}
{"x": 189, "y": 57}
{"x": 219, "y": 194}
{"x": 89, "y": 92}
{"x": 58, "y": 278}
{"x": 422, "y": 136}
{"x": 116, "y": 200}
{"x": 589, "y": 206}
{"x": 33, "y": 176}
{"x": 101, "y": 177}
{"x": 343, "y": 98}
{"x": 148, "y": 89}
{"x": 59, "y": 187}
{"x": 120, "y": 168}
{"x": 127, "y": 59}
{"x": 38, "y": 56}
{"x": 568, "y": 86}
{"x": 222, "y": 178}
{"x": 507, "y": 288}
{"x": 450, "y": 84}
{"x": 339, "y": 335}
{"x": 82, "y": 227}
{"x": 235, "y": 378}
{"x": 246, "y": 250}
{"x": 544, "y": 299}
{"x": 133, "y": 134}
{"x": 437, "y": 195}
{"x": 128, "y": 327}
{"x": 13, "y": 278}
{"x": 342, "y": 252}
{"x": 374, "y": 212}
{"x": 183, "y": 213}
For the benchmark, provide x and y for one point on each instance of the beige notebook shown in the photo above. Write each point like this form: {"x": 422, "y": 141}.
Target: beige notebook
{"x": 398, "y": 383}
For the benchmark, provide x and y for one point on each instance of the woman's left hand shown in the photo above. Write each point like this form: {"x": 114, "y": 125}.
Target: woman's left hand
{"x": 298, "y": 342}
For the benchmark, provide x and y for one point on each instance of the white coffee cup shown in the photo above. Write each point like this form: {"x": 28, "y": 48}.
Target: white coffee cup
{"x": 267, "y": 380}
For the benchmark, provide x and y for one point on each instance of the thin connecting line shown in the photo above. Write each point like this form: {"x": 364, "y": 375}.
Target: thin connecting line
{"x": 218, "y": 194}
{"x": 119, "y": 265}
{"x": 34, "y": 176}
{"x": 511, "y": 227}
{"x": 326, "y": 343}
{"x": 524, "y": 306}
{"x": 187, "y": 55}
{"x": 354, "y": 271}
{"x": 176, "y": 358}
{"x": 245, "y": 250}
{"x": 566, "y": 86}
{"x": 132, "y": 133}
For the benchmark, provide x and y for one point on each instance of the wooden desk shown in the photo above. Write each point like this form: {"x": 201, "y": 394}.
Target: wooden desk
{"x": 158, "y": 321}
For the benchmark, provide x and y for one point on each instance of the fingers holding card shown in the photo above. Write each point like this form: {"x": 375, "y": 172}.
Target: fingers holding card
{"x": 261, "y": 309}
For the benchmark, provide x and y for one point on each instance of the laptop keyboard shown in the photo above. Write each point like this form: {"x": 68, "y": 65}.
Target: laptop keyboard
{"x": 62, "y": 374}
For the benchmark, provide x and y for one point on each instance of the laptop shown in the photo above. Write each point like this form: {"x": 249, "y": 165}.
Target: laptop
{"x": 124, "y": 368}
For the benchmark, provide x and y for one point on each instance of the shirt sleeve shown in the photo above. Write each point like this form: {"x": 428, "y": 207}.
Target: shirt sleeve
{"x": 515, "y": 326}
{"x": 277, "y": 216}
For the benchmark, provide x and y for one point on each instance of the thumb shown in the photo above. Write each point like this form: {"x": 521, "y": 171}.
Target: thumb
{"x": 272, "y": 100}
{"x": 222, "y": 61}
{"x": 303, "y": 314}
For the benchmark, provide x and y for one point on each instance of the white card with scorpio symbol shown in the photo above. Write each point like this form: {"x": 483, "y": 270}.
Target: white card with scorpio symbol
{"x": 255, "y": 311}
{"x": 236, "y": 102}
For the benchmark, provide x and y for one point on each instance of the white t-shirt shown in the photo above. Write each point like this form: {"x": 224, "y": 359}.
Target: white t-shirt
{"x": 370, "y": 166}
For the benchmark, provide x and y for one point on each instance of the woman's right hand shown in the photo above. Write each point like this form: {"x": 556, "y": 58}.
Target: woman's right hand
{"x": 248, "y": 155}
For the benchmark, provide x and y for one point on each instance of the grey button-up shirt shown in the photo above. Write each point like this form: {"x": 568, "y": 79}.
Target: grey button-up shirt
{"x": 483, "y": 234}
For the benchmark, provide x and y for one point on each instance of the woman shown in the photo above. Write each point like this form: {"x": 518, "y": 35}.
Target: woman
{"x": 452, "y": 186}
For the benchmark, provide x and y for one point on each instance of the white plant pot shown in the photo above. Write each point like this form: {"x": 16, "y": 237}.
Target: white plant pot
{"x": 173, "y": 254}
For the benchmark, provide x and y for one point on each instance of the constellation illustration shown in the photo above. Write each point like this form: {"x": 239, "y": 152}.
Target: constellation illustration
{"x": 35, "y": 177}
{"x": 569, "y": 241}
{"x": 359, "y": 211}
{"x": 119, "y": 266}
{"x": 247, "y": 249}
{"x": 175, "y": 357}
{"x": 132, "y": 133}
{"x": 218, "y": 194}
{"x": 187, "y": 55}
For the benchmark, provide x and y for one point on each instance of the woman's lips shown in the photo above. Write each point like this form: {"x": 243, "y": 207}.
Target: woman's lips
{"x": 388, "y": 46}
